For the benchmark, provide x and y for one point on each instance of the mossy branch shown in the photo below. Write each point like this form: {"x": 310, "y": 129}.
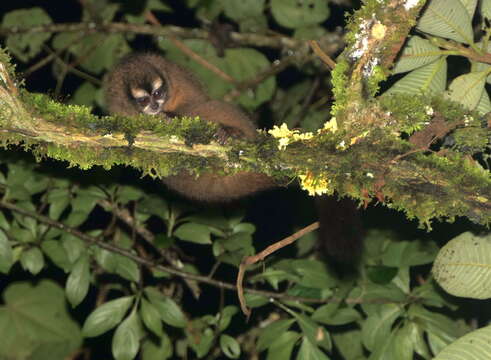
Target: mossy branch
{"x": 364, "y": 158}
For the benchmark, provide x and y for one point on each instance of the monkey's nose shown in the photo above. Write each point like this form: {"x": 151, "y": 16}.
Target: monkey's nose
{"x": 154, "y": 105}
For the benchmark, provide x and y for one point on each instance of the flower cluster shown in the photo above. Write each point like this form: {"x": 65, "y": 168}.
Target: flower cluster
{"x": 314, "y": 186}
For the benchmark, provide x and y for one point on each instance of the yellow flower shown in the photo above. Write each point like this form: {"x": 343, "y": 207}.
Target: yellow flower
{"x": 331, "y": 125}
{"x": 313, "y": 186}
{"x": 287, "y": 136}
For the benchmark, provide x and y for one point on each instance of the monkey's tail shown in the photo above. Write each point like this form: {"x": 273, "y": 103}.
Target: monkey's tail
{"x": 341, "y": 230}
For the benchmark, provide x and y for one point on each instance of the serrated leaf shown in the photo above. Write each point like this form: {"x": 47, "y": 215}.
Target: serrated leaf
{"x": 463, "y": 266}
{"x": 230, "y": 347}
{"x": 151, "y": 318}
{"x": 473, "y": 346}
{"x": 196, "y": 233}
{"x": 416, "y": 53}
{"x": 430, "y": 79}
{"x": 32, "y": 260}
{"x": 34, "y": 319}
{"x": 448, "y": 19}
{"x": 126, "y": 339}
{"x": 28, "y": 45}
{"x": 6, "y": 255}
{"x": 106, "y": 316}
{"x": 78, "y": 281}
{"x": 295, "y": 14}
{"x": 467, "y": 89}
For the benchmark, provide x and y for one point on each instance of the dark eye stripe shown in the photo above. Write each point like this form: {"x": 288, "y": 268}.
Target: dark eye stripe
{"x": 142, "y": 100}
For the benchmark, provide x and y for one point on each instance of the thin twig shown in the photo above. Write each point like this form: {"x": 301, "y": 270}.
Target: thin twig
{"x": 276, "y": 41}
{"x": 189, "y": 52}
{"x": 277, "y": 67}
{"x": 249, "y": 260}
{"x": 321, "y": 54}
{"x": 151, "y": 264}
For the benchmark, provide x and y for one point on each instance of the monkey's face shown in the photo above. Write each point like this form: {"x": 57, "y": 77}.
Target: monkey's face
{"x": 150, "y": 98}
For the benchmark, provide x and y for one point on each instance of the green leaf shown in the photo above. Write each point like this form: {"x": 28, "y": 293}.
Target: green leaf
{"x": 151, "y": 317}
{"x": 409, "y": 253}
{"x": 35, "y": 324}
{"x": 4, "y": 224}
{"x": 242, "y": 64}
{"x": 201, "y": 342}
{"x": 431, "y": 79}
{"x": 441, "y": 330}
{"x": 486, "y": 9}
{"x": 84, "y": 95}
{"x": 381, "y": 274}
{"x": 129, "y": 193}
{"x": 282, "y": 347}
{"x": 226, "y": 316}
{"x": 58, "y": 200}
{"x": 126, "y": 339}
{"x": 415, "y": 54}
{"x": 78, "y": 281}
{"x": 230, "y": 347}
{"x": 308, "y": 351}
{"x": 28, "y": 45}
{"x": 169, "y": 311}
{"x": 448, "y": 19}
{"x": 467, "y": 89}
{"x": 118, "y": 264}
{"x": 475, "y": 345}
{"x": 339, "y": 317}
{"x": 106, "y": 316}
{"x": 378, "y": 325}
{"x": 32, "y": 260}
{"x": 294, "y": 13}
{"x": 348, "y": 343}
{"x": 240, "y": 9}
{"x": 463, "y": 266}
{"x": 484, "y": 105}
{"x": 196, "y": 233}
{"x": 6, "y": 255}
{"x": 470, "y": 6}
{"x": 56, "y": 253}
{"x": 403, "y": 346}
{"x": 270, "y": 333}
{"x": 160, "y": 351}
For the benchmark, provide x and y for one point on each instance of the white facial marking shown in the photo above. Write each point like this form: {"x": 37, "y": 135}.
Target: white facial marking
{"x": 157, "y": 83}
{"x": 138, "y": 93}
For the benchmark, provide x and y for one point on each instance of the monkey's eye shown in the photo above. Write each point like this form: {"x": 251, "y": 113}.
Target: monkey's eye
{"x": 142, "y": 101}
{"x": 157, "y": 93}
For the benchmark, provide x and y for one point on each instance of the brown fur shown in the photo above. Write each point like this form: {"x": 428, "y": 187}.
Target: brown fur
{"x": 185, "y": 96}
